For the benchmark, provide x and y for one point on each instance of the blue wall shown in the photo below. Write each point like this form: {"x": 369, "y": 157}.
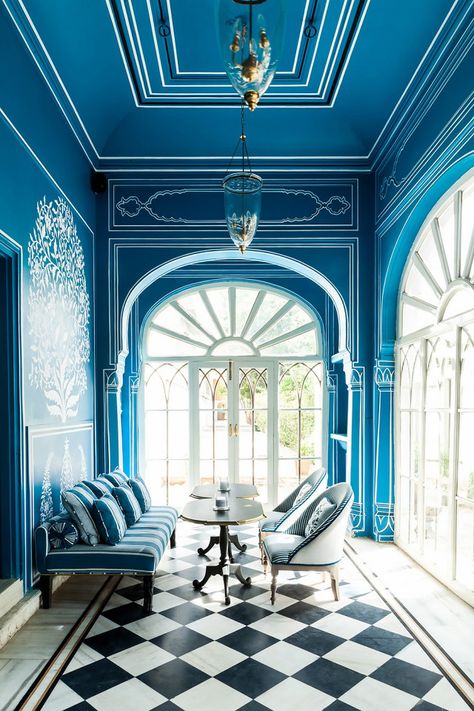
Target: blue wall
{"x": 47, "y": 225}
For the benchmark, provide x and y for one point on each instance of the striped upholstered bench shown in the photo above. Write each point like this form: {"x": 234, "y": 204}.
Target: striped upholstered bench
{"x": 138, "y": 553}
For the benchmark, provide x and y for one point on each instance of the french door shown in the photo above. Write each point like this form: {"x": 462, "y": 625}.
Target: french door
{"x": 232, "y": 422}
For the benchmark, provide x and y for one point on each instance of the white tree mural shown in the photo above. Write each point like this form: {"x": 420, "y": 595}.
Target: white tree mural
{"x": 59, "y": 309}
{"x": 82, "y": 455}
{"x": 46, "y": 504}
{"x": 66, "y": 479}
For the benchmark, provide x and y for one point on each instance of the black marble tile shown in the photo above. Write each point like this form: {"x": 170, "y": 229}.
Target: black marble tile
{"x": 245, "y": 613}
{"x": 186, "y": 613}
{"x": 247, "y": 641}
{"x": 173, "y": 678}
{"x": 134, "y": 592}
{"x": 423, "y": 706}
{"x": 314, "y": 640}
{"x": 180, "y": 641}
{"x": 124, "y": 614}
{"x": 251, "y": 677}
{"x": 382, "y": 640}
{"x": 331, "y": 678}
{"x": 302, "y": 612}
{"x": 364, "y": 613}
{"x": 245, "y": 593}
{"x": 407, "y": 677}
{"x": 252, "y": 706}
{"x": 95, "y": 678}
{"x": 296, "y": 590}
{"x": 113, "y": 641}
{"x": 340, "y": 706}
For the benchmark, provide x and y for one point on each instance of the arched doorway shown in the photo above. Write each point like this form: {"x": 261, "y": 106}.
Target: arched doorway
{"x": 232, "y": 386}
{"x": 435, "y": 394}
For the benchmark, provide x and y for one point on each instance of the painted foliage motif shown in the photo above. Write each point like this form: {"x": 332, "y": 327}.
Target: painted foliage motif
{"x": 59, "y": 459}
{"x": 59, "y": 309}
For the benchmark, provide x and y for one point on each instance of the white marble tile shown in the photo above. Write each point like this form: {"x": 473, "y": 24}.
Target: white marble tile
{"x": 285, "y": 657}
{"x": 264, "y": 601}
{"x": 358, "y": 657}
{"x": 340, "y": 625}
{"x": 62, "y": 697}
{"x": 132, "y": 695}
{"x": 85, "y": 655}
{"x": 169, "y": 582}
{"x": 102, "y": 625}
{"x": 165, "y": 601}
{"x": 141, "y": 658}
{"x": 443, "y": 694}
{"x": 372, "y": 695}
{"x": 413, "y": 654}
{"x": 291, "y": 694}
{"x": 153, "y": 626}
{"x": 174, "y": 566}
{"x": 15, "y": 677}
{"x": 211, "y": 695}
{"x": 277, "y": 626}
{"x": 115, "y": 601}
{"x": 213, "y": 658}
{"x": 391, "y": 623}
{"x": 215, "y": 626}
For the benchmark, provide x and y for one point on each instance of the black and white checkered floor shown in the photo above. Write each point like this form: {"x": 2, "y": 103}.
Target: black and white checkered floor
{"x": 196, "y": 654}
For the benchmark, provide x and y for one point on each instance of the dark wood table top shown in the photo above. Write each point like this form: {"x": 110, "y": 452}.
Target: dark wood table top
{"x": 240, "y": 511}
{"x": 239, "y": 491}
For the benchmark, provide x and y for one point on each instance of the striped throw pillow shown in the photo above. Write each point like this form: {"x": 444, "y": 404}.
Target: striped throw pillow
{"x": 98, "y": 487}
{"x": 116, "y": 477}
{"x": 141, "y": 492}
{"x": 79, "y": 503}
{"x": 109, "y": 519}
{"x": 128, "y": 503}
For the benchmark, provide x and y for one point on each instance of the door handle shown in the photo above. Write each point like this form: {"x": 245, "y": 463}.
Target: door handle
{"x": 231, "y": 434}
{"x": 236, "y": 430}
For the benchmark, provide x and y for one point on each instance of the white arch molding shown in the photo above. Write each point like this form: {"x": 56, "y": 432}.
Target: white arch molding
{"x": 232, "y": 255}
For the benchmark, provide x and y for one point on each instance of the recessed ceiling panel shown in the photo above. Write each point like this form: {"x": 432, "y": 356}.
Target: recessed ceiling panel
{"x": 172, "y": 53}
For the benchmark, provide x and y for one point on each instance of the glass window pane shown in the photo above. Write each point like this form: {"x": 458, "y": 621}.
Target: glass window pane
{"x": 232, "y": 348}
{"x": 467, "y": 221}
{"x": 161, "y": 345}
{"x": 305, "y": 344}
{"x": 465, "y": 546}
{"x": 172, "y": 320}
{"x": 289, "y": 435}
{"x": 467, "y": 367}
{"x": 466, "y": 456}
{"x": 294, "y": 318}
{"x": 269, "y": 306}
{"x": 245, "y": 299}
{"x": 414, "y": 319}
{"x": 219, "y": 299}
{"x": 429, "y": 254}
{"x": 416, "y": 285}
{"x": 446, "y": 226}
{"x": 194, "y": 305}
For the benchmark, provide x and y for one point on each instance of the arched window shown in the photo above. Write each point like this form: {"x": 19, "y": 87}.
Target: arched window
{"x": 435, "y": 394}
{"x": 232, "y": 387}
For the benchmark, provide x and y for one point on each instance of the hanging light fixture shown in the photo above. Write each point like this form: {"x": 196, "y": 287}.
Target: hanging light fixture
{"x": 242, "y": 196}
{"x": 250, "y": 34}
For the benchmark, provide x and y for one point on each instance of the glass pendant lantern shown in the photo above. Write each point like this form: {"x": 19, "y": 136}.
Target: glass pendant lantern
{"x": 250, "y": 35}
{"x": 242, "y": 195}
{"x": 242, "y": 202}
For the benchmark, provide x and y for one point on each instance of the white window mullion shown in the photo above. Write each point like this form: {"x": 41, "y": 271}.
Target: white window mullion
{"x": 438, "y": 240}
{"x": 421, "y": 479}
{"x": 454, "y": 463}
{"x": 194, "y": 454}
{"x": 457, "y": 233}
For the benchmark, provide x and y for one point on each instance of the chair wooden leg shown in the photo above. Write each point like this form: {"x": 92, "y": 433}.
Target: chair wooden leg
{"x": 334, "y": 573}
{"x": 173, "y": 539}
{"x": 274, "y": 584}
{"x": 46, "y": 587}
{"x": 148, "y": 581}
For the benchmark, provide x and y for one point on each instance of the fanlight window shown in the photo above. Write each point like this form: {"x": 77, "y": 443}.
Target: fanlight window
{"x": 435, "y": 413}
{"x": 440, "y": 277}
{"x": 228, "y": 321}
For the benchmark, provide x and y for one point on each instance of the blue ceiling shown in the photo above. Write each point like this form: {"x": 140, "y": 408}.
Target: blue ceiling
{"x": 142, "y": 83}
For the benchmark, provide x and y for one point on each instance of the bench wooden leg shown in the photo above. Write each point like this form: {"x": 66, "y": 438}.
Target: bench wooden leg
{"x": 46, "y": 587}
{"x": 173, "y": 539}
{"x": 148, "y": 581}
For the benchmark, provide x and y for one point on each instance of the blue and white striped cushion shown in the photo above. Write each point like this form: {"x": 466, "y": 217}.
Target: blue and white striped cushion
{"x": 109, "y": 519}
{"x": 128, "y": 503}
{"x": 141, "y": 492}
{"x": 98, "y": 488}
{"x": 79, "y": 503}
{"x": 116, "y": 477}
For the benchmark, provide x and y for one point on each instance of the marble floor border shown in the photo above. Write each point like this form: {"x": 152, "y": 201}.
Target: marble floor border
{"x": 44, "y": 683}
{"x": 453, "y": 673}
